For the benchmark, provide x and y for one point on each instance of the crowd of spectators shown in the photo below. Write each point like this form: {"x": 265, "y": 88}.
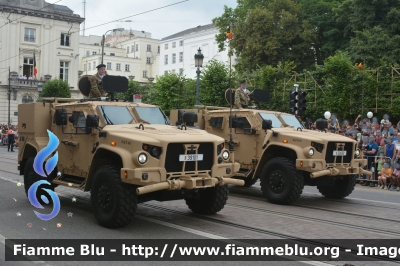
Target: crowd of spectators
{"x": 380, "y": 141}
{"x": 4, "y": 134}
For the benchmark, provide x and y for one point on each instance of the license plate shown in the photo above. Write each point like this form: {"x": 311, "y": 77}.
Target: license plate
{"x": 339, "y": 153}
{"x": 190, "y": 157}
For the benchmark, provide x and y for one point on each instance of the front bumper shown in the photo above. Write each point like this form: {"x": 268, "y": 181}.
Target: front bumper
{"x": 318, "y": 167}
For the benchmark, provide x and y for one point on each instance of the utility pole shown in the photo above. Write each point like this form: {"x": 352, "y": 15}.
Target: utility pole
{"x": 9, "y": 93}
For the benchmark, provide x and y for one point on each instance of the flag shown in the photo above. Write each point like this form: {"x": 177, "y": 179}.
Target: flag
{"x": 360, "y": 65}
{"x": 229, "y": 34}
{"x": 34, "y": 65}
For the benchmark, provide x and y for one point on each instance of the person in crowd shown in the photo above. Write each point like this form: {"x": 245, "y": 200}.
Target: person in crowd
{"x": 384, "y": 176}
{"x": 379, "y": 162}
{"x": 371, "y": 150}
{"x": 11, "y": 139}
{"x": 389, "y": 149}
{"x": 395, "y": 178}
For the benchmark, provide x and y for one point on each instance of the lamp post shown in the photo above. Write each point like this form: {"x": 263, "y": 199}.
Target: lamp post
{"x": 102, "y": 44}
{"x": 198, "y": 59}
{"x": 9, "y": 94}
{"x": 40, "y": 88}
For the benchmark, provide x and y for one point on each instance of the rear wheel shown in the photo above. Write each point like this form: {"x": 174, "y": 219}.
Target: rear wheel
{"x": 341, "y": 188}
{"x": 280, "y": 181}
{"x": 208, "y": 200}
{"x": 114, "y": 203}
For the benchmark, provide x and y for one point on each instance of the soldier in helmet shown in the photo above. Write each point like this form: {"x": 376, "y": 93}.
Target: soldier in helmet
{"x": 242, "y": 96}
{"x": 96, "y": 85}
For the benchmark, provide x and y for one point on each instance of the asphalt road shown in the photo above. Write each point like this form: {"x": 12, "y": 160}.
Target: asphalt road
{"x": 18, "y": 221}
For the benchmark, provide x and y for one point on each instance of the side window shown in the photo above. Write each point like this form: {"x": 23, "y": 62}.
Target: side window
{"x": 79, "y": 119}
{"x": 216, "y": 122}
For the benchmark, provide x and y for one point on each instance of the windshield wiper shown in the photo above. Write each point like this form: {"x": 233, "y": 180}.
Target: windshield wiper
{"x": 166, "y": 120}
{"x": 105, "y": 116}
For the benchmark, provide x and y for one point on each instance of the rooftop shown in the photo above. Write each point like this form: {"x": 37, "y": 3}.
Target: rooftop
{"x": 189, "y": 31}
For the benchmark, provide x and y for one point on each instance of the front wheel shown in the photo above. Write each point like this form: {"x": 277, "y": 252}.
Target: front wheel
{"x": 280, "y": 181}
{"x": 341, "y": 188}
{"x": 209, "y": 200}
{"x": 114, "y": 203}
{"x": 30, "y": 177}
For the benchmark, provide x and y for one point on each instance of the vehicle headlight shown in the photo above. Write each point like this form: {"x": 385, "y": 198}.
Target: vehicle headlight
{"x": 142, "y": 158}
{"x": 311, "y": 152}
{"x": 225, "y": 155}
{"x": 155, "y": 152}
{"x": 357, "y": 153}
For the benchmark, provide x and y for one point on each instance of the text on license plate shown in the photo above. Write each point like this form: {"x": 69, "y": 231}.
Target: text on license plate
{"x": 339, "y": 153}
{"x": 190, "y": 157}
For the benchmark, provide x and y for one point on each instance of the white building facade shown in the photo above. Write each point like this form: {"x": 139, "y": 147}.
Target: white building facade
{"x": 133, "y": 54}
{"x": 178, "y": 50}
{"x": 38, "y": 28}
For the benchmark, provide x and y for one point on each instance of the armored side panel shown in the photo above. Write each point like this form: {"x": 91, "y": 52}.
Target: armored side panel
{"x": 34, "y": 118}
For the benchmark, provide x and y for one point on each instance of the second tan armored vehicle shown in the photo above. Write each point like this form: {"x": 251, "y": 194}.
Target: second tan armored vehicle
{"x": 275, "y": 148}
{"x": 125, "y": 153}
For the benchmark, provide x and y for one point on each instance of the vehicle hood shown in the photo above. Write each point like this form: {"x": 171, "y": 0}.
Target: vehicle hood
{"x": 311, "y": 135}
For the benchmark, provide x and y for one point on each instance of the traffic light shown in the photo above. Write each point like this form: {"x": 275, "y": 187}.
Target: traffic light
{"x": 293, "y": 100}
{"x": 301, "y": 104}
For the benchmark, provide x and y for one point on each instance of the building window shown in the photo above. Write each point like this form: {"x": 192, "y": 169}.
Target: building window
{"x": 108, "y": 65}
{"x": 87, "y": 53}
{"x": 137, "y": 47}
{"x": 180, "y": 43}
{"x": 166, "y": 46}
{"x": 89, "y": 67}
{"x": 84, "y": 67}
{"x": 145, "y": 74}
{"x": 180, "y": 57}
{"x": 118, "y": 67}
{"x": 166, "y": 59}
{"x": 64, "y": 70}
{"x": 132, "y": 48}
{"x": 127, "y": 50}
{"x": 94, "y": 52}
{"x": 127, "y": 67}
{"x": 64, "y": 39}
{"x": 181, "y": 71}
{"x": 94, "y": 64}
{"x": 173, "y": 44}
{"x": 27, "y": 99}
{"x": 112, "y": 54}
{"x": 148, "y": 61}
{"x": 173, "y": 58}
{"x": 149, "y": 48}
{"x": 29, "y": 35}
{"x": 173, "y": 71}
{"x": 27, "y": 69}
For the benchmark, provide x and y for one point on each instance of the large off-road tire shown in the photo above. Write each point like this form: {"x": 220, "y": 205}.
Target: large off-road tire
{"x": 280, "y": 181}
{"x": 341, "y": 188}
{"x": 209, "y": 201}
{"x": 248, "y": 182}
{"x": 30, "y": 177}
{"x": 114, "y": 203}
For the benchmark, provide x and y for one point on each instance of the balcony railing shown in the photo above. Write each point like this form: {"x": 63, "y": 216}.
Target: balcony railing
{"x": 26, "y": 82}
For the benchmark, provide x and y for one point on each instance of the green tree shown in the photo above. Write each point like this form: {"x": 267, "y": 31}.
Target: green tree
{"x": 214, "y": 82}
{"x": 173, "y": 91}
{"x": 56, "y": 88}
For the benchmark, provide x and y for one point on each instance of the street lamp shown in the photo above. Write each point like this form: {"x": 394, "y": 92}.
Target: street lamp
{"x": 102, "y": 43}
{"x": 40, "y": 88}
{"x": 370, "y": 115}
{"x": 198, "y": 62}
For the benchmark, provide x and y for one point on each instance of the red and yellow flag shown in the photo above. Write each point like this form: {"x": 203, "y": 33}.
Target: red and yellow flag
{"x": 34, "y": 65}
{"x": 360, "y": 66}
{"x": 229, "y": 33}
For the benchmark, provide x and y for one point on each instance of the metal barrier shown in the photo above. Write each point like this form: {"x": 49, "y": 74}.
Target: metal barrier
{"x": 372, "y": 165}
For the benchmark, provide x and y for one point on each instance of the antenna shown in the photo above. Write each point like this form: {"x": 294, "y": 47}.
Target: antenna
{"x": 84, "y": 16}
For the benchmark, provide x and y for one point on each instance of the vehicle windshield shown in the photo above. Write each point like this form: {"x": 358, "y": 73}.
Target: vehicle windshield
{"x": 116, "y": 115}
{"x": 273, "y": 118}
{"x": 152, "y": 115}
{"x": 291, "y": 120}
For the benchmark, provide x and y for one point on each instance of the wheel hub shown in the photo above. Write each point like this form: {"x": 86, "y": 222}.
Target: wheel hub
{"x": 277, "y": 181}
{"x": 105, "y": 197}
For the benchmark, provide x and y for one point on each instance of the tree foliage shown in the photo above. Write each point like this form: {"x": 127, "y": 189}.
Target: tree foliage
{"x": 56, "y": 88}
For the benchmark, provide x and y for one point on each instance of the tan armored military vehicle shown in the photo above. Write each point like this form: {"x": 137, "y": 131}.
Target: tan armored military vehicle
{"x": 275, "y": 148}
{"x": 125, "y": 153}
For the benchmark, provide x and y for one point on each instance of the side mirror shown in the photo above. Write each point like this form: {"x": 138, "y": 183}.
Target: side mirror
{"x": 60, "y": 117}
{"x": 266, "y": 124}
{"x": 92, "y": 121}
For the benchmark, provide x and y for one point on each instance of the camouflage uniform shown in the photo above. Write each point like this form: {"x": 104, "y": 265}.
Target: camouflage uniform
{"x": 241, "y": 98}
{"x": 96, "y": 88}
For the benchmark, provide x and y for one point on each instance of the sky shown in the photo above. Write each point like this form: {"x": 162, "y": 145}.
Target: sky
{"x": 160, "y": 23}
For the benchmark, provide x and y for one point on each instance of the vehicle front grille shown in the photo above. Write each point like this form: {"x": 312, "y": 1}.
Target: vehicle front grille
{"x": 335, "y": 146}
{"x": 172, "y": 163}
